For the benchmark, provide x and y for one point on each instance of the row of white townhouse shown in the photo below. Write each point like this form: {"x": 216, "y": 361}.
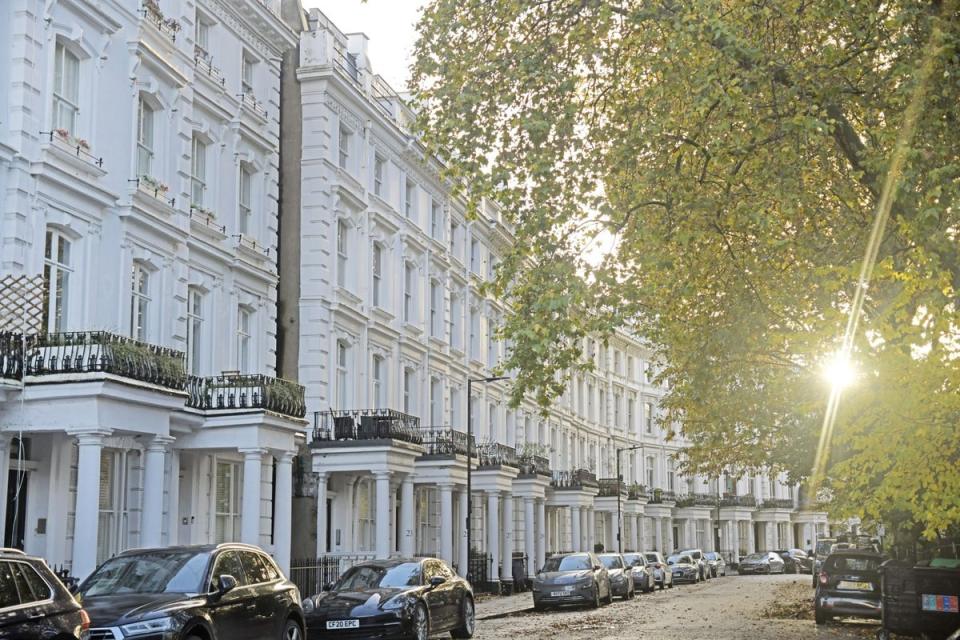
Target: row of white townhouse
{"x": 171, "y": 256}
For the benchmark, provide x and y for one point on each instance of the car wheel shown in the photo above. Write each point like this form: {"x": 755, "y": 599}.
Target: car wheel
{"x": 468, "y": 617}
{"x": 292, "y": 631}
{"x": 421, "y": 623}
{"x": 819, "y": 616}
{"x": 609, "y": 599}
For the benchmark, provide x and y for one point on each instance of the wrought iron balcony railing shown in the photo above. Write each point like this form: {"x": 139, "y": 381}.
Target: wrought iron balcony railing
{"x": 738, "y": 501}
{"x": 576, "y": 479}
{"x": 445, "y": 441}
{"x": 659, "y": 496}
{"x": 636, "y": 491}
{"x": 697, "y": 500}
{"x": 609, "y": 487}
{"x": 534, "y": 465}
{"x": 245, "y": 391}
{"x": 365, "y": 425}
{"x": 11, "y": 355}
{"x": 494, "y": 454}
{"x": 777, "y": 503}
{"x": 92, "y": 351}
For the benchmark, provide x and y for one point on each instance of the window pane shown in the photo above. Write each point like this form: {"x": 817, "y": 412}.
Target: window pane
{"x": 8, "y": 589}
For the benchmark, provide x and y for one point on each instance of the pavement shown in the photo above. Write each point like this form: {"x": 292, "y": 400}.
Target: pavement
{"x": 735, "y": 607}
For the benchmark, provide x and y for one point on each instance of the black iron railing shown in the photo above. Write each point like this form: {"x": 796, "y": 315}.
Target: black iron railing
{"x": 636, "y": 491}
{"x": 250, "y": 101}
{"x": 738, "y": 501}
{"x": 366, "y": 424}
{"x": 576, "y": 479}
{"x": 246, "y": 391}
{"x": 697, "y": 500}
{"x": 91, "y": 351}
{"x": 206, "y": 219}
{"x": 11, "y": 355}
{"x": 659, "y": 496}
{"x": 534, "y": 465}
{"x": 76, "y": 146}
{"x": 494, "y": 454}
{"x": 445, "y": 441}
{"x": 610, "y": 486}
{"x": 152, "y": 14}
{"x": 777, "y": 503}
{"x": 311, "y": 574}
{"x": 478, "y": 570}
{"x": 205, "y": 67}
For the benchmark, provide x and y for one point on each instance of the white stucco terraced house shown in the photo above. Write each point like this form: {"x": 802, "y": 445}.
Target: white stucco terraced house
{"x": 139, "y": 165}
{"x": 391, "y": 324}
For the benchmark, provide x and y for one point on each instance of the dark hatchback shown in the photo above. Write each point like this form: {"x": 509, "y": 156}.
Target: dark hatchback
{"x": 34, "y": 604}
{"x": 223, "y": 592}
{"x": 848, "y": 585}
{"x": 795, "y": 561}
{"x": 396, "y": 598}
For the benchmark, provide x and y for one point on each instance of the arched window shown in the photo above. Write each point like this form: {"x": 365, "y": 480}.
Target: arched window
{"x": 56, "y": 275}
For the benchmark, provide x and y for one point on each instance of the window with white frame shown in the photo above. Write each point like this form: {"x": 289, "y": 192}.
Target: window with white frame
{"x": 651, "y": 470}
{"x": 491, "y": 342}
{"x": 66, "y": 89}
{"x": 590, "y": 414}
{"x": 617, "y": 399}
{"x": 366, "y": 524}
{"x": 343, "y": 147}
{"x": 409, "y": 285}
{"x": 436, "y": 309}
{"x": 378, "y": 376}
{"x": 342, "y": 252}
{"x": 56, "y": 276}
{"x": 491, "y": 265}
{"x": 475, "y": 256}
{"x": 647, "y": 373}
{"x": 244, "y": 339}
{"x": 629, "y": 371}
{"x": 648, "y": 416}
{"x": 247, "y": 68}
{"x": 343, "y": 375}
{"x": 436, "y": 402}
{"x": 116, "y": 476}
{"x": 228, "y": 501}
{"x": 379, "y": 167}
{"x": 493, "y": 428}
{"x": 198, "y": 171}
{"x": 140, "y": 301}
{"x": 377, "y": 292}
{"x": 409, "y": 390}
{"x": 436, "y": 220}
{"x": 409, "y": 193}
{"x": 195, "y": 336}
{"x": 671, "y": 475}
{"x": 245, "y": 199}
{"x": 456, "y": 320}
{"x": 603, "y": 406}
{"x": 201, "y": 37}
{"x": 455, "y": 408}
{"x": 474, "y": 334}
{"x": 145, "y": 137}
{"x": 454, "y": 236}
{"x": 631, "y": 414}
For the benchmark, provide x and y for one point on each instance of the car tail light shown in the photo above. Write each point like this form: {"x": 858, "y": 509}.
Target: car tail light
{"x": 823, "y": 577}
{"x": 84, "y": 620}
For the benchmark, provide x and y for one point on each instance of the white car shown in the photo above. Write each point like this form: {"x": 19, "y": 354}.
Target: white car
{"x": 661, "y": 572}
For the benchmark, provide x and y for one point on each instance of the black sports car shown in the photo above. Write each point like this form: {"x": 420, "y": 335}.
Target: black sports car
{"x": 396, "y": 598}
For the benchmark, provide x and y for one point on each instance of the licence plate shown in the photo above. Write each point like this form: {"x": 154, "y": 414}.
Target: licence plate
{"x": 559, "y": 594}
{"x": 947, "y": 604}
{"x": 343, "y": 624}
{"x": 855, "y": 586}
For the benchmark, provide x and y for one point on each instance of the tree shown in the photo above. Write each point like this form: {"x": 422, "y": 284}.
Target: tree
{"x": 731, "y": 155}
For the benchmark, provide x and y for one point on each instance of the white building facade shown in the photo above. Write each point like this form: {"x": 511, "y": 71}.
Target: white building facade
{"x": 392, "y": 325}
{"x": 139, "y": 155}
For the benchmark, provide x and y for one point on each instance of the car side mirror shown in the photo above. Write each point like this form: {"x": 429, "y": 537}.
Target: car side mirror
{"x": 226, "y": 584}
{"x": 328, "y": 586}
{"x": 436, "y": 581}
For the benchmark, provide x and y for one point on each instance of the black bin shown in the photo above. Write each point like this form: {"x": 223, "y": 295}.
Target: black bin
{"x": 938, "y": 591}
{"x": 899, "y": 610}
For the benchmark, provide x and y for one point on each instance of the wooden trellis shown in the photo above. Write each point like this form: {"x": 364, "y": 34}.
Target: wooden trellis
{"x": 21, "y": 304}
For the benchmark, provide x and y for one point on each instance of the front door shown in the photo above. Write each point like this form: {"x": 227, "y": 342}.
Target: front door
{"x": 15, "y": 529}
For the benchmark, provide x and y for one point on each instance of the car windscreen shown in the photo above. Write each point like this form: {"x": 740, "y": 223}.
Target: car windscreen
{"x": 712, "y": 555}
{"x": 611, "y": 562}
{"x": 567, "y": 563}
{"x": 631, "y": 559}
{"x": 679, "y": 560}
{"x": 652, "y": 557}
{"x": 823, "y": 547}
{"x": 755, "y": 557}
{"x": 856, "y": 564}
{"x": 367, "y": 577}
{"x": 160, "y": 572}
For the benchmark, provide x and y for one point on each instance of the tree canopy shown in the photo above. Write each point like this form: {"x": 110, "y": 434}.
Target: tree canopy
{"x": 706, "y": 174}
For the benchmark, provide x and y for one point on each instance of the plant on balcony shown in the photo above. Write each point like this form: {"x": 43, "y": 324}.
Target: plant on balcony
{"x": 71, "y": 139}
{"x": 283, "y": 393}
{"x": 153, "y": 184}
{"x": 199, "y": 208}
{"x": 168, "y": 367}
{"x": 530, "y": 450}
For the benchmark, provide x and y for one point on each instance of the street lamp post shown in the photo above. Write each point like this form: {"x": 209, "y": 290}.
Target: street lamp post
{"x": 470, "y": 382}
{"x": 619, "y": 482}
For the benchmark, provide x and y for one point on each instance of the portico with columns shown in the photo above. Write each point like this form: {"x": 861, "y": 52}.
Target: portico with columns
{"x": 530, "y": 490}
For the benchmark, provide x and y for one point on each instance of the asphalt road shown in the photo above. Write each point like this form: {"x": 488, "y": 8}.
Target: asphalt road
{"x": 749, "y": 607}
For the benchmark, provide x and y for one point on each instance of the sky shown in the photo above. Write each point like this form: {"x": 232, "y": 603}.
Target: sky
{"x": 390, "y": 26}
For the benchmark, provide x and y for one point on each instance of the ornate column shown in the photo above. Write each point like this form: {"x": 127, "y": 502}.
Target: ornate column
{"x": 173, "y": 499}
{"x": 658, "y": 533}
{"x": 382, "y": 544}
{"x": 86, "y": 522}
{"x": 493, "y": 535}
{"x": 530, "y": 531}
{"x": 321, "y": 514}
{"x": 506, "y": 540}
{"x": 541, "y": 534}
{"x": 407, "y": 510}
{"x": 283, "y": 510}
{"x": 446, "y": 522}
{"x": 151, "y": 527}
{"x": 464, "y": 559}
{"x": 576, "y": 538}
{"x": 252, "y": 480}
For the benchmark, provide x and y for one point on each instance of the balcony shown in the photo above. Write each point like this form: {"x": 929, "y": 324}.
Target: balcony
{"x": 494, "y": 454}
{"x": 365, "y": 425}
{"x": 659, "y": 496}
{"x": 610, "y": 487}
{"x": 99, "y": 351}
{"x": 11, "y": 356}
{"x": 697, "y": 500}
{"x": 531, "y": 465}
{"x": 738, "y": 501}
{"x": 445, "y": 442}
{"x": 576, "y": 479}
{"x": 777, "y": 503}
{"x": 636, "y": 491}
{"x": 152, "y": 14}
{"x": 242, "y": 391}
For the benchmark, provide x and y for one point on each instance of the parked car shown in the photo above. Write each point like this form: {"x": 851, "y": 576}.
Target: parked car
{"x": 716, "y": 564}
{"x": 233, "y": 591}
{"x": 765, "y": 562}
{"x": 848, "y": 585}
{"x": 684, "y": 568}
{"x": 34, "y": 603}
{"x": 644, "y": 576}
{"x": 698, "y": 559}
{"x": 662, "y": 575}
{"x": 573, "y": 578}
{"x": 621, "y": 576}
{"x": 795, "y": 560}
{"x": 395, "y": 598}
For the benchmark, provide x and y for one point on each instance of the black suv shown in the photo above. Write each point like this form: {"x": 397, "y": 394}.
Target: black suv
{"x": 848, "y": 585}
{"x": 223, "y": 592}
{"x": 34, "y": 604}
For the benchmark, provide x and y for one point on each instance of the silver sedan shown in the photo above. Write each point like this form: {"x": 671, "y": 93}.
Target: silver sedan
{"x": 573, "y": 578}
